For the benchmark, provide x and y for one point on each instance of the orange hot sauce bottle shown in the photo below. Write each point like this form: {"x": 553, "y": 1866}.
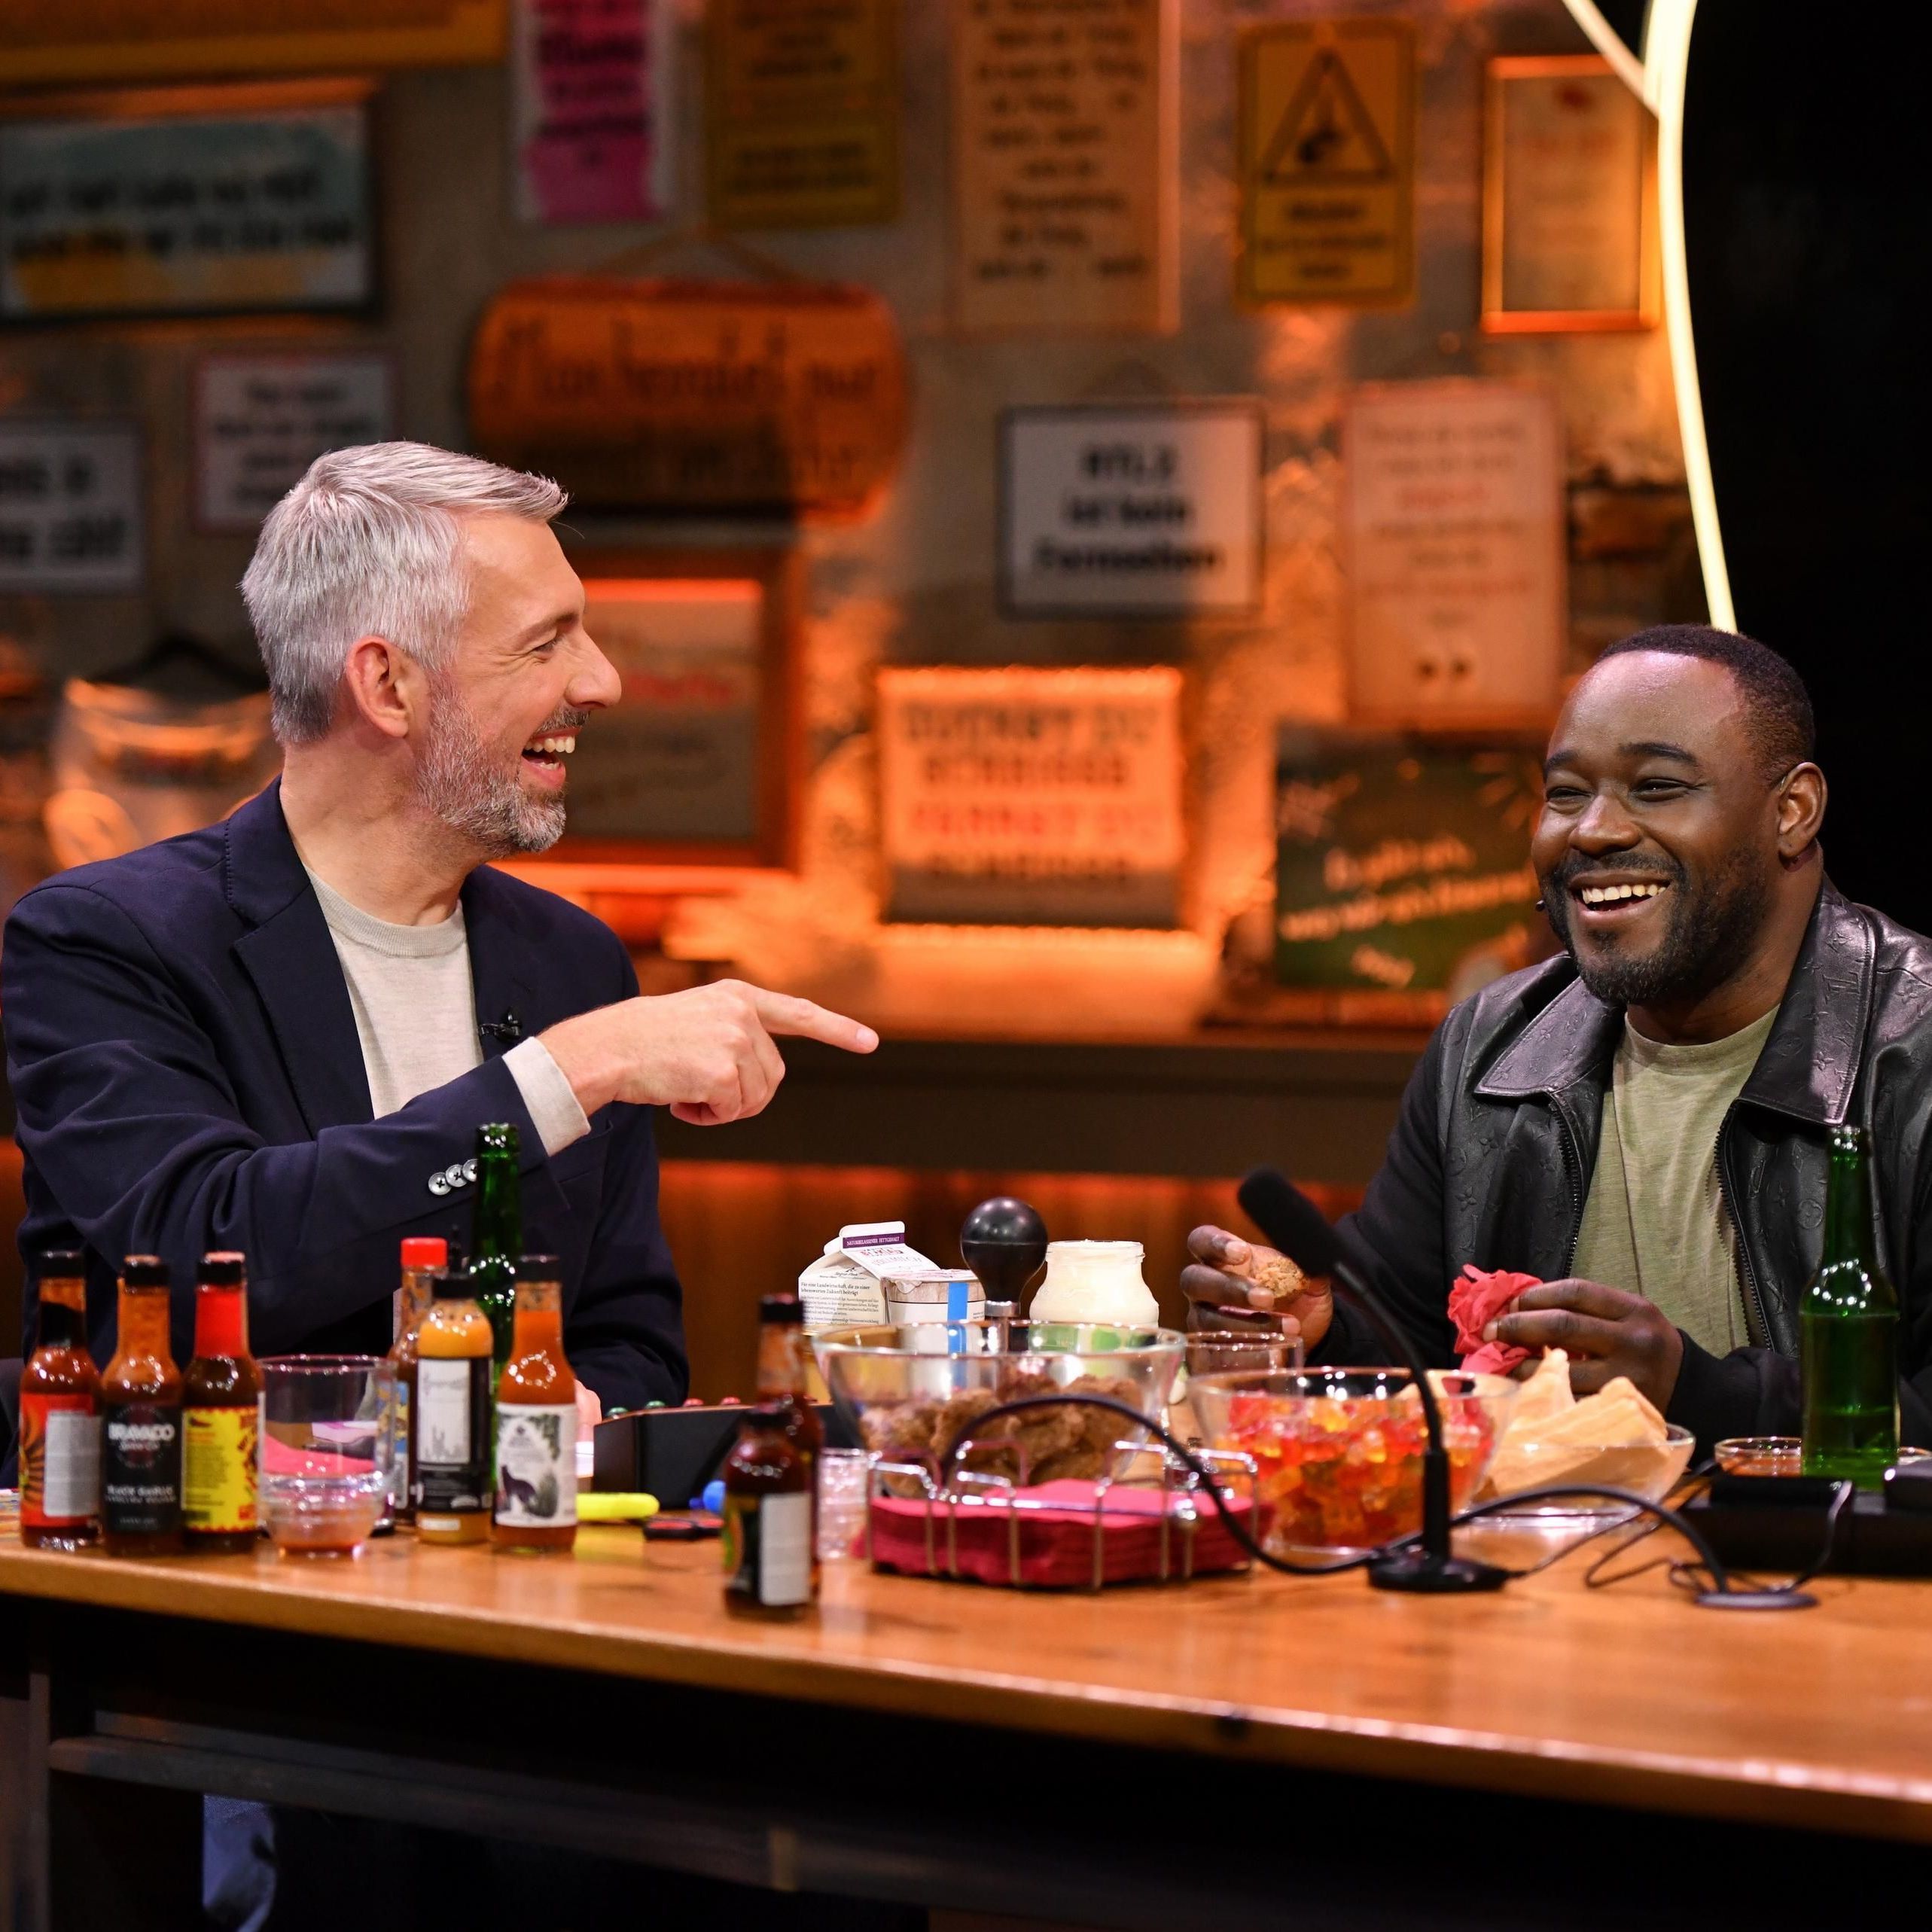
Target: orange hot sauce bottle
{"x": 220, "y": 1416}
{"x": 60, "y": 1414}
{"x": 141, "y": 1421}
{"x": 536, "y": 1420}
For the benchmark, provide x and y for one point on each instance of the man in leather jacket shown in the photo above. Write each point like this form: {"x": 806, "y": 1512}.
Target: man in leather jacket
{"x": 1562, "y": 1122}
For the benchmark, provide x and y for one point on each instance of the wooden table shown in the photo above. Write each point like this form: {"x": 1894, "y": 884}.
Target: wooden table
{"x": 1239, "y": 1751}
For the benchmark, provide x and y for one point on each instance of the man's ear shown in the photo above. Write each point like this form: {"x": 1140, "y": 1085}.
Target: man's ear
{"x": 1801, "y": 803}
{"x": 381, "y": 686}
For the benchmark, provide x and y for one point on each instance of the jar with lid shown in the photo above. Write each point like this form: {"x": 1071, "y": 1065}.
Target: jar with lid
{"x": 1096, "y": 1280}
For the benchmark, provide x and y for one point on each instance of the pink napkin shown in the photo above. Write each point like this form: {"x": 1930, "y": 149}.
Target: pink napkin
{"x": 1476, "y": 1297}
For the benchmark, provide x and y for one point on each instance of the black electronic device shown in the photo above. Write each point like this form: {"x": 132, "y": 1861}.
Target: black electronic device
{"x": 672, "y": 1453}
{"x": 1785, "y": 1522}
{"x": 1297, "y": 1227}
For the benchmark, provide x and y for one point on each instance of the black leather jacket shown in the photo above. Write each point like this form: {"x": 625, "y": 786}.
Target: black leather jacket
{"x": 1491, "y": 1158}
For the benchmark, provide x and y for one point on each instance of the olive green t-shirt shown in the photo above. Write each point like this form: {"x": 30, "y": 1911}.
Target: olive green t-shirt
{"x": 1656, "y": 1222}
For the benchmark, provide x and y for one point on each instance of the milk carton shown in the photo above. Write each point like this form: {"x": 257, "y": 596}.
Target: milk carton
{"x": 846, "y": 1284}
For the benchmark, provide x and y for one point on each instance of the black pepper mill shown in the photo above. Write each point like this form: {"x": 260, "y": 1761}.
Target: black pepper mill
{"x": 1004, "y": 1242}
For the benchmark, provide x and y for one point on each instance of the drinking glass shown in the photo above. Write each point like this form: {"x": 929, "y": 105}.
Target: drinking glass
{"x": 843, "y": 1478}
{"x": 325, "y": 1451}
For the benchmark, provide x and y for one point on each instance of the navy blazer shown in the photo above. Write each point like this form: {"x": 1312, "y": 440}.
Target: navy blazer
{"x": 188, "y": 1075}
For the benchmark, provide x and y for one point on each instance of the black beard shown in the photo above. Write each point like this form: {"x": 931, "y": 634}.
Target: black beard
{"x": 1711, "y": 928}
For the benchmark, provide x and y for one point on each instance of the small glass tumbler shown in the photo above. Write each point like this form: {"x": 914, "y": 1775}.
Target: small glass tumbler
{"x": 326, "y": 1451}
{"x": 843, "y": 1475}
{"x": 1229, "y": 1351}
{"x": 1760, "y": 1455}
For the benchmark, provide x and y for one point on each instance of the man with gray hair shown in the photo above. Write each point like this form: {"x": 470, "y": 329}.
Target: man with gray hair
{"x": 281, "y": 1033}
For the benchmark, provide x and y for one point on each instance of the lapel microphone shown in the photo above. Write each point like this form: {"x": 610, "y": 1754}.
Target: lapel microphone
{"x": 508, "y": 1029}
{"x": 1297, "y": 1227}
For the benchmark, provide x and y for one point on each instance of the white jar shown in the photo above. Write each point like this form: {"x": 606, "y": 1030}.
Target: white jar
{"x": 1095, "y": 1280}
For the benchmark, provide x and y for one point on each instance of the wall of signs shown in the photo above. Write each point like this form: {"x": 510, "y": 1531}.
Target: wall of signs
{"x": 1237, "y": 348}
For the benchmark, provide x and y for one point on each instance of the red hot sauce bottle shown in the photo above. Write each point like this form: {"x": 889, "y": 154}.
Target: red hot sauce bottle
{"x": 60, "y": 1414}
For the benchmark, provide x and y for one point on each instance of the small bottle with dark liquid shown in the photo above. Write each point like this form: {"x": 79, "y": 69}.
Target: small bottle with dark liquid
{"x": 141, "y": 1421}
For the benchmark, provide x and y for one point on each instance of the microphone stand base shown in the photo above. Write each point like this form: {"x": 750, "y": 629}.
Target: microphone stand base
{"x": 1417, "y": 1572}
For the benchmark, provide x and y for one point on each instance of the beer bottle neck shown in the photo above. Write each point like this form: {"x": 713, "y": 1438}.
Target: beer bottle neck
{"x": 1848, "y": 1206}
{"x": 781, "y": 1360}
{"x": 499, "y": 1231}
{"x": 221, "y": 1321}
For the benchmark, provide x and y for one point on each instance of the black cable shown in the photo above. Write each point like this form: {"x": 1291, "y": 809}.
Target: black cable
{"x": 1721, "y": 1577}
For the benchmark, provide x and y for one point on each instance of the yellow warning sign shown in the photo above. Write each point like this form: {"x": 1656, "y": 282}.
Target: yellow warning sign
{"x": 1327, "y": 161}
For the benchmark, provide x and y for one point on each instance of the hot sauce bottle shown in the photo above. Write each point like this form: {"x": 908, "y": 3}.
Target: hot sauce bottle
{"x": 770, "y": 1568}
{"x": 536, "y": 1420}
{"x": 60, "y": 1414}
{"x": 423, "y": 1255}
{"x": 450, "y": 1431}
{"x": 220, "y": 1405}
{"x": 141, "y": 1421}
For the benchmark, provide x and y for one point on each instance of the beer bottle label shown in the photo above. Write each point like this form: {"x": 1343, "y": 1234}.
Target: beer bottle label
{"x": 60, "y": 1461}
{"x": 536, "y": 1465}
{"x": 768, "y": 1549}
{"x": 218, "y": 1470}
{"x": 451, "y": 1419}
{"x": 141, "y": 1468}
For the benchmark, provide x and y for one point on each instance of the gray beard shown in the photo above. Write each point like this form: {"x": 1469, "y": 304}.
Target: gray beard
{"x": 489, "y": 808}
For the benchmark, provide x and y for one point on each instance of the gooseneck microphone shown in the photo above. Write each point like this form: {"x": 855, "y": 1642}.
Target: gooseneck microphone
{"x": 1295, "y": 1225}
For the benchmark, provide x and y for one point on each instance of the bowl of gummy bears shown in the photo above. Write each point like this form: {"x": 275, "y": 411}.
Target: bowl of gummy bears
{"x": 1337, "y": 1452}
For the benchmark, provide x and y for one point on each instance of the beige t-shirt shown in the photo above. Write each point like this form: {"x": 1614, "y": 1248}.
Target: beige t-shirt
{"x": 1656, "y": 1222}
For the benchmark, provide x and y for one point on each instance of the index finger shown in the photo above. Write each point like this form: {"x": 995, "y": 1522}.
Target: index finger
{"x": 781, "y": 1013}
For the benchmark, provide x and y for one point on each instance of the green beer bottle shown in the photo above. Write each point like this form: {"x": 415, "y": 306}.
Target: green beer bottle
{"x": 1847, "y": 1325}
{"x": 497, "y": 1234}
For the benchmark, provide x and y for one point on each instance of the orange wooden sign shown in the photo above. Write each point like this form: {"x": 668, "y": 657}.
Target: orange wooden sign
{"x": 785, "y": 396}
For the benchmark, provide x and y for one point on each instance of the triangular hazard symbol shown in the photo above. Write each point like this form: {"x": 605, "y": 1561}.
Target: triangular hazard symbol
{"x": 1325, "y": 133}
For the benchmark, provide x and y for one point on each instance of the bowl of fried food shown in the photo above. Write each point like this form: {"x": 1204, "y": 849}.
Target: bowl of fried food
{"x": 1615, "y": 1438}
{"x": 911, "y": 1405}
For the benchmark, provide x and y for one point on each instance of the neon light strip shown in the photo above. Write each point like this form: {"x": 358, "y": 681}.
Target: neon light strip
{"x": 1659, "y": 79}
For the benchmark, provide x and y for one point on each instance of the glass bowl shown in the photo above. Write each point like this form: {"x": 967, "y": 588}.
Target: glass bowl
{"x": 1652, "y": 1469}
{"x": 1339, "y": 1450}
{"x": 910, "y": 1392}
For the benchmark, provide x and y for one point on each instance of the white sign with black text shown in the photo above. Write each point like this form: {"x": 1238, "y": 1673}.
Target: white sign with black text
{"x": 1147, "y": 510}
{"x": 260, "y": 421}
{"x": 71, "y": 507}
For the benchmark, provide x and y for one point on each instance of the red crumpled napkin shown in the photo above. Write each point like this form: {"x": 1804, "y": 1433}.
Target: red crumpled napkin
{"x": 1476, "y": 1297}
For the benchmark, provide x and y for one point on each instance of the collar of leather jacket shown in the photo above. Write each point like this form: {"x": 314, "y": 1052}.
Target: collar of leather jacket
{"x": 1807, "y": 1070}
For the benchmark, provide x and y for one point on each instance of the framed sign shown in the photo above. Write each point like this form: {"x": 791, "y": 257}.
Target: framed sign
{"x": 1569, "y": 198}
{"x": 594, "y": 86}
{"x": 1453, "y": 538}
{"x": 186, "y": 202}
{"x": 260, "y": 421}
{"x": 1326, "y": 163}
{"x": 43, "y": 42}
{"x": 71, "y": 507}
{"x": 802, "y": 125}
{"x": 1066, "y": 164}
{"x": 683, "y": 397}
{"x": 698, "y": 765}
{"x": 1402, "y": 864}
{"x": 1130, "y": 510}
{"x": 1032, "y": 797}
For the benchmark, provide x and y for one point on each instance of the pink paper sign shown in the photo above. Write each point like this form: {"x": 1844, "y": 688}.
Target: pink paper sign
{"x": 593, "y": 138}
